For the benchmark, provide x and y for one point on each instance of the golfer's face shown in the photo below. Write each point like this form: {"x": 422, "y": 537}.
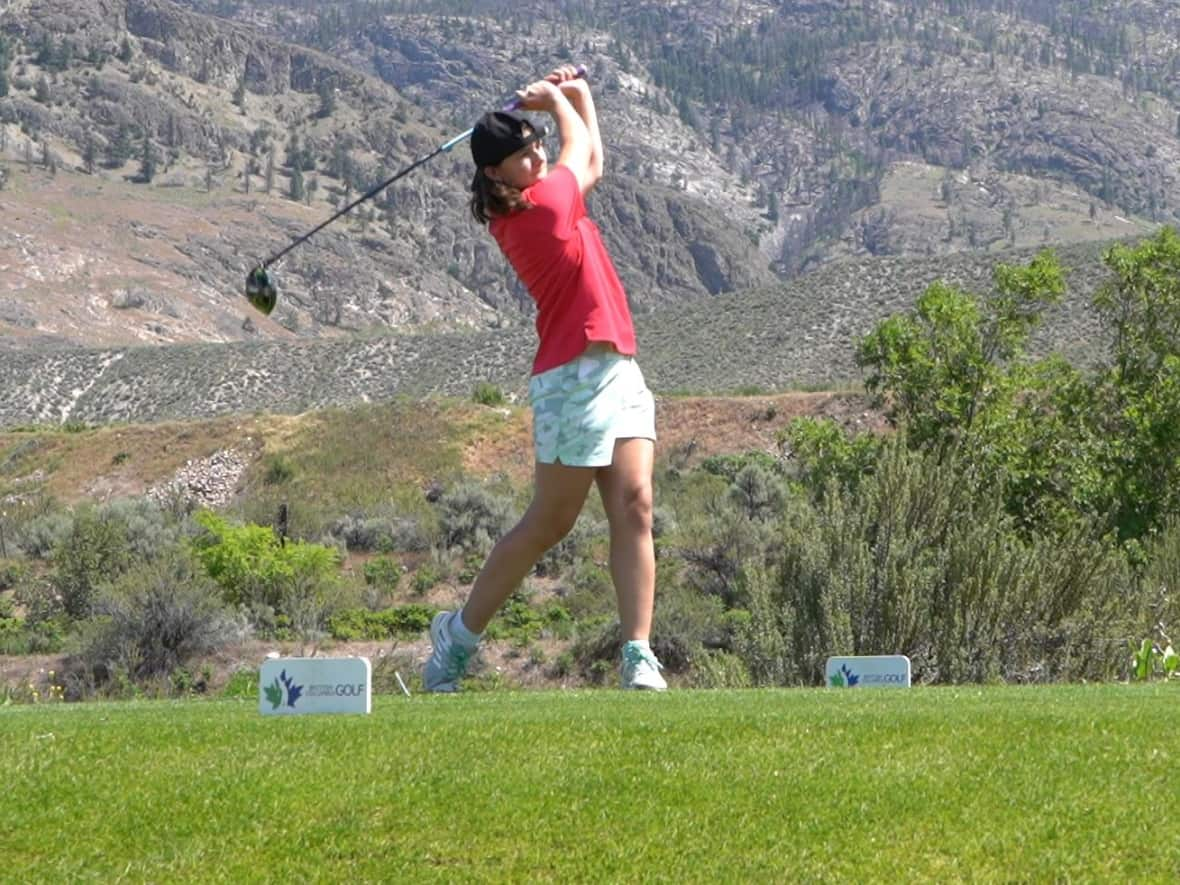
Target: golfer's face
{"x": 525, "y": 167}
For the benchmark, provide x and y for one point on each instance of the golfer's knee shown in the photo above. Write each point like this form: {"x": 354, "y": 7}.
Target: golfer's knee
{"x": 546, "y": 530}
{"x": 637, "y": 507}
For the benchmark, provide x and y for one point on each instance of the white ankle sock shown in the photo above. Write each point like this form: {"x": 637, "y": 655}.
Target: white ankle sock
{"x": 461, "y": 634}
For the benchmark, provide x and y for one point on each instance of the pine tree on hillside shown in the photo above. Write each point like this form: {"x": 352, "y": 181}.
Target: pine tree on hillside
{"x": 148, "y": 160}
{"x": 327, "y": 94}
{"x": 120, "y": 148}
{"x": 296, "y": 191}
{"x": 89, "y": 153}
{"x": 4, "y": 59}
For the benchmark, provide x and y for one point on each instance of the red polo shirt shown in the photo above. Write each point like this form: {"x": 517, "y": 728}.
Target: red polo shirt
{"x": 557, "y": 252}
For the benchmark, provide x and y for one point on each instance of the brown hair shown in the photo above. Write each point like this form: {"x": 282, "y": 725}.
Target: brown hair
{"x": 494, "y": 199}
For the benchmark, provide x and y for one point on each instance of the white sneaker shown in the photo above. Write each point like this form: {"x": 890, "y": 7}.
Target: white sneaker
{"x": 641, "y": 669}
{"x": 448, "y": 659}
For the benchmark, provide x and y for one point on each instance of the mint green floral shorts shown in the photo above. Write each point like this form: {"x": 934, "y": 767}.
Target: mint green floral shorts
{"x": 581, "y": 407}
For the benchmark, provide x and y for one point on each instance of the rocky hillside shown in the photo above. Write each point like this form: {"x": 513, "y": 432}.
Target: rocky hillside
{"x": 767, "y": 339}
{"x": 152, "y": 151}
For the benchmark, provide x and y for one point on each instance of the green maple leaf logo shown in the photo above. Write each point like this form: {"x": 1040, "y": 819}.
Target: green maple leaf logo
{"x": 274, "y": 694}
{"x": 836, "y": 680}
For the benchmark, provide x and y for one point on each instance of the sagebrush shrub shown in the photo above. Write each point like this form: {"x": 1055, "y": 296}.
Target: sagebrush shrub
{"x": 924, "y": 560}
{"x": 37, "y": 537}
{"x": 148, "y": 527}
{"x": 1161, "y": 581}
{"x": 719, "y": 542}
{"x": 573, "y": 547}
{"x": 760, "y": 639}
{"x": 380, "y": 533}
{"x": 95, "y": 550}
{"x": 156, "y": 617}
{"x": 473, "y": 518}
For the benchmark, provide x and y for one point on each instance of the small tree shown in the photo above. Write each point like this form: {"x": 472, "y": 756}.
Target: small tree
{"x": 4, "y": 60}
{"x": 95, "y": 551}
{"x": 240, "y": 95}
{"x": 89, "y": 153}
{"x": 296, "y": 190}
{"x": 949, "y": 365}
{"x": 255, "y": 568}
{"x": 148, "y": 160}
{"x": 1135, "y": 407}
{"x": 120, "y": 148}
{"x": 326, "y": 90}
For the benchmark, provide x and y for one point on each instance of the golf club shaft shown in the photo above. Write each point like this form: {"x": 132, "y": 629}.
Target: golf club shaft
{"x": 446, "y": 147}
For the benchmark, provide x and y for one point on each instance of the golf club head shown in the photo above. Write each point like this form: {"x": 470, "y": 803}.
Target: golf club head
{"x": 261, "y": 291}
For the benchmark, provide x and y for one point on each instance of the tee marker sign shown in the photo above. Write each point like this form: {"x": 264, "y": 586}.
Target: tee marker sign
{"x": 868, "y": 671}
{"x": 290, "y": 686}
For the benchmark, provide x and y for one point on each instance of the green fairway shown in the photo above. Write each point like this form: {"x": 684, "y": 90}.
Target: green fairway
{"x": 1045, "y": 783}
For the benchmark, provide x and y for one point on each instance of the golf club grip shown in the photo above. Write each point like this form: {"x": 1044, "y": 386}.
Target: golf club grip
{"x": 515, "y": 102}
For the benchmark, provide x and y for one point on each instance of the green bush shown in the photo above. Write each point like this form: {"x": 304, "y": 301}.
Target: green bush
{"x": 383, "y": 532}
{"x": 686, "y": 622}
{"x": 729, "y": 466}
{"x": 37, "y": 537}
{"x": 95, "y": 550}
{"x": 521, "y": 622}
{"x": 719, "y": 669}
{"x": 924, "y": 560}
{"x": 719, "y": 541}
{"x": 19, "y": 637}
{"x": 11, "y": 573}
{"x": 149, "y": 529}
{"x": 1160, "y": 579}
{"x": 277, "y": 471}
{"x": 822, "y": 453}
{"x": 487, "y": 394}
{"x": 252, "y": 565}
{"x": 759, "y": 639}
{"x": 242, "y": 684}
{"x": 426, "y": 577}
{"x": 472, "y": 518}
{"x": 591, "y": 591}
{"x": 383, "y": 573}
{"x": 575, "y": 545}
{"x": 154, "y": 619}
{"x": 402, "y": 621}
{"x": 756, "y": 492}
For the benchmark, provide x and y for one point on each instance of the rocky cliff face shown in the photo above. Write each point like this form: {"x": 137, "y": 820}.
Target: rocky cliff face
{"x": 152, "y": 151}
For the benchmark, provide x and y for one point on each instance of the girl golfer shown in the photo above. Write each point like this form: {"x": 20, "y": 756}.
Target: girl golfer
{"x": 593, "y": 416}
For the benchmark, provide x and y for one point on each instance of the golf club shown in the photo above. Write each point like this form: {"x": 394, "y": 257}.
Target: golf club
{"x": 261, "y": 290}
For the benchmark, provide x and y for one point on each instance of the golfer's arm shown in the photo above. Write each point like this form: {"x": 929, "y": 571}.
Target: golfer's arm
{"x": 575, "y": 142}
{"x": 583, "y": 103}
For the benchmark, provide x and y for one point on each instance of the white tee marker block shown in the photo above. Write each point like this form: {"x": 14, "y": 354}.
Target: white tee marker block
{"x": 290, "y": 686}
{"x": 868, "y": 671}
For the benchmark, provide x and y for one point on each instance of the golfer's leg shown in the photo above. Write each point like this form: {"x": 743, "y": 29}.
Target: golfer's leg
{"x": 557, "y": 499}
{"x": 626, "y": 490}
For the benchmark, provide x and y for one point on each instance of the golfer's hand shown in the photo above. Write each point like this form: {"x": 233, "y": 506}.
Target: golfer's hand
{"x": 567, "y": 80}
{"x": 541, "y": 95}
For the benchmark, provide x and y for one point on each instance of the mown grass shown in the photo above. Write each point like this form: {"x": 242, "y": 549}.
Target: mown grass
{"x": 996, "y": 783}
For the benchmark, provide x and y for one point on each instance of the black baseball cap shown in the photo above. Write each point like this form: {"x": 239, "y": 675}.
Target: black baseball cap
{"x": 498, "y": 134}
